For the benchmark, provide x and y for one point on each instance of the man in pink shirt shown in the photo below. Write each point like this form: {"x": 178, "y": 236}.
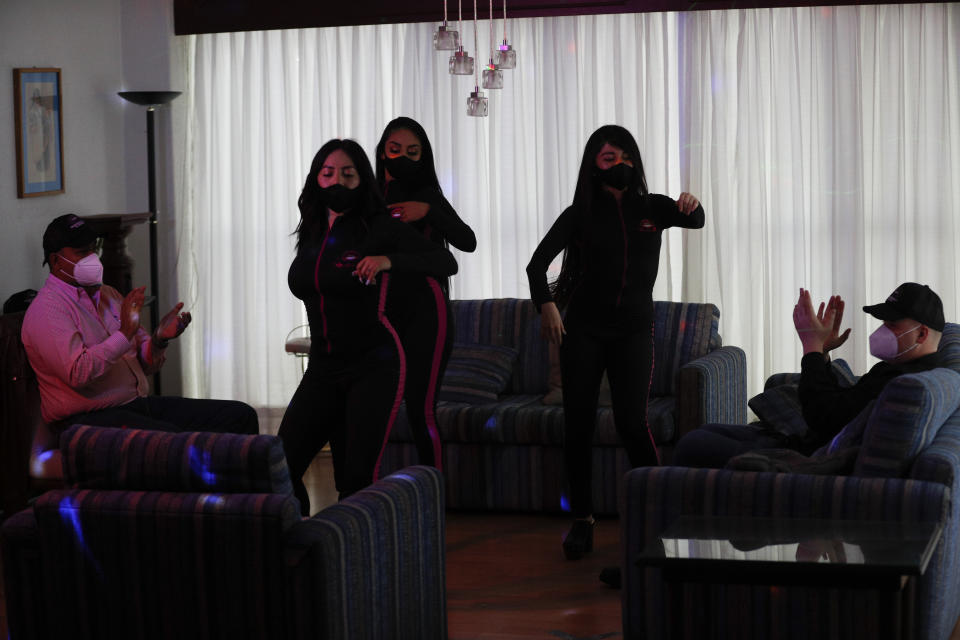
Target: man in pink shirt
{"x": 92, "y": 357}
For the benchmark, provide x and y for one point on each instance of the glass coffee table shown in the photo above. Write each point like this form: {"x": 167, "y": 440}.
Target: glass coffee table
{"x": 880, "y": 557}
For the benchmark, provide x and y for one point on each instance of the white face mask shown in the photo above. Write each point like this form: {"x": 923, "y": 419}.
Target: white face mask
{"x": 883, "y": 343}
{"x": 88, "y": 271}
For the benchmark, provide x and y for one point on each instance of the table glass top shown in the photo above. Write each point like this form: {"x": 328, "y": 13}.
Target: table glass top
{"x": 900, "y": 545}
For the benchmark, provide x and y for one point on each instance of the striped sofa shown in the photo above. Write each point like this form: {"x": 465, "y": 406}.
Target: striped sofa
{"x": 507, "y": 454}
{"x": 907, "y": 470}
{"x": 198, "y": 535}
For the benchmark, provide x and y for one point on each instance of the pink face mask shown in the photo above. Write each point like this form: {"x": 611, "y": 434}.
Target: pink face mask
{"x": 883, "y": 343}
{"x": 88, "y": 271}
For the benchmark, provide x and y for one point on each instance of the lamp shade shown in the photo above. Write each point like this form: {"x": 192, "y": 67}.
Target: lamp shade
{"x": 149, "y": 98}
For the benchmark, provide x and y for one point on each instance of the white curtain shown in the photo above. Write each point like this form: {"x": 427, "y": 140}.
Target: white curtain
{"x": 823, "y": 142}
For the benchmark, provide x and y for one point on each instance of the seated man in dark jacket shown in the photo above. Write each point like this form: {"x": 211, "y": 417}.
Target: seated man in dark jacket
{"x": 906, "y": 342}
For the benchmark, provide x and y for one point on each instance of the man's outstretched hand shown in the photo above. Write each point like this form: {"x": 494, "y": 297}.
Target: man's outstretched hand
{"x": 819, "y": 331}
{"x": 173, "y": 323}
{"x": 130, "y": 312}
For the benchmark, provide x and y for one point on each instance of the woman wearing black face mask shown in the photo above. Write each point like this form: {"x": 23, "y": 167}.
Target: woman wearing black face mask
{"x": 419, "y": 306}
{"x": 348, "y": 247}
{"x": 610, "y": 237}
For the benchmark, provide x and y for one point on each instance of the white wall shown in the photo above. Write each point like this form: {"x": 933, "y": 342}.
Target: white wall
{"x": 101, "y": 47}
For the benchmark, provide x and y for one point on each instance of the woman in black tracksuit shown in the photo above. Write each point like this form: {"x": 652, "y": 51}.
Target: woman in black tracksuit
{"x": 419, "y": 306}
{"x": 610, "y": 237}
{"x": 348, "y": 247}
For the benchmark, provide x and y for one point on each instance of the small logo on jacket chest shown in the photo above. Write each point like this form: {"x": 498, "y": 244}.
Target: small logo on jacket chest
{"x": 646, "y": 225}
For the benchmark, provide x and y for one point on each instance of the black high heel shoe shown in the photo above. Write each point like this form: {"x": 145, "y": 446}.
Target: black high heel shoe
{"x": 579, "y": 540}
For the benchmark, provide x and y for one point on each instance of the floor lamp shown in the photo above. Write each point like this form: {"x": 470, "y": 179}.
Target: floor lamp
{"x": 151, "y": 100}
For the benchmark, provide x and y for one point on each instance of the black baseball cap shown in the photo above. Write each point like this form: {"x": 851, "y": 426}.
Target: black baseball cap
{"x": 911, "y": 300}
{"x": 67, "y": 230}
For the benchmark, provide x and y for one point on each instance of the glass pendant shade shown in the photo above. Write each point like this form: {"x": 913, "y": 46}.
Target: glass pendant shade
{"x": 492, "y": 77}
{"x": 505, "y": 57}
{"x": 461, "y": 64}
{"x": 445, "y": 39}
{"x": 477, "y": 104}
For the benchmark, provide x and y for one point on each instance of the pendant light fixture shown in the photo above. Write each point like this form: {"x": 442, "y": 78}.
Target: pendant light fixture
{"x": 461, "y": 64}
{"x": 445, "y": 39}
{"x": 476, "y": 103}
{"x": 492, "y": 76}
{"x": 506, "y": 57}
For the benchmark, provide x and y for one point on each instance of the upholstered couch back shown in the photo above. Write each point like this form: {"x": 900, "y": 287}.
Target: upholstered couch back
{"x": 682, "y": 332}
{"x": 140, "y": 460}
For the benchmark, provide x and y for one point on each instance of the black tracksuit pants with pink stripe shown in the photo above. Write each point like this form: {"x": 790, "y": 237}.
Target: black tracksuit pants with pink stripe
{"x": 628, "y": 361}
{"x": 421, "y": 313}
{"x": 347, "y": 401}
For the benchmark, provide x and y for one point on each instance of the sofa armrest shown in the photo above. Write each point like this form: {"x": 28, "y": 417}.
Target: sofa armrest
{"x": 374, "y": 565}
{"x": 651, "y": 498}
{"x": 712, "y": 389}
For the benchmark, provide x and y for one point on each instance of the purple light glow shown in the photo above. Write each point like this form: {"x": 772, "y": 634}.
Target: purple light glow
{"x": 200, "y": 465}
{"x": 564, "y": 502}
{"x": 71, "y": 516}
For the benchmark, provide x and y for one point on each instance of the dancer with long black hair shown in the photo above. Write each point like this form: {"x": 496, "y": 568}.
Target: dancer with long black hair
{"x": 611, "y": 238}
{"x": 347, "y": 248}
{"x": 419, "y": 305}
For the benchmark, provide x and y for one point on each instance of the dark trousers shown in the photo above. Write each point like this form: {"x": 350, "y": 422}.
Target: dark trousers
{"x": 350, "y": 402}
{"x": 712, "y": 445}
{"x": 628, "y": 361}
{"x": 174, "y": 414}
{"x": 427, "y": 338}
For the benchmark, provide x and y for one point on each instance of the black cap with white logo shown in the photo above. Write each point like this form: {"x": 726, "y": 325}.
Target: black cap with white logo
{"x": 911, "y": 300}
{"x": 66, "y": 231}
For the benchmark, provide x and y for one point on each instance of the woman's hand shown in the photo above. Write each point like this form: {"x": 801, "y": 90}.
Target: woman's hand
{"x": 409, "y": 211}
{"x": 369, "y": 267}
{"x": 687, "y": 203}
{"x": 551, "y": 324}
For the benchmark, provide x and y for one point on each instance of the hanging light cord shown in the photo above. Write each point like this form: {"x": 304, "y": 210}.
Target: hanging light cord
{"x": 493, "y": 43}
{"x": 445, "y": 14}
{"x": 504, "y": 21}
{"x": 476, "y": 45}
{"x": 460, "y": 7}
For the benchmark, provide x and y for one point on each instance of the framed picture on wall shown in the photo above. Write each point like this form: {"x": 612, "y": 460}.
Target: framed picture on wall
{"x": 39, "y": 131}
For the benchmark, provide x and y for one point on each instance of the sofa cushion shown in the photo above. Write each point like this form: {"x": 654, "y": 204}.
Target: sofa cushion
{"x": 477, "y": 373}
{"x": 685, "y": 332}
{"x": 905, "y": 419}
{"x": 506, "y": 322}
{"x": 778, "y": 406}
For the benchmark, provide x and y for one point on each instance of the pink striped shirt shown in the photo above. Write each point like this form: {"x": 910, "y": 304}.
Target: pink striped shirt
{"x": 82, "y": 359}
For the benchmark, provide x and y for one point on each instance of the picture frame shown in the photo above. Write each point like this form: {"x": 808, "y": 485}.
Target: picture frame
{"x": 38, "y": 119}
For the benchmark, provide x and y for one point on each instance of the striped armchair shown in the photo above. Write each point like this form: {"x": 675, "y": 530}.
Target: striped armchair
{"x": 198, "y": 535}
{"x": 507, "y": 454}
{"x": 907, "y": 469}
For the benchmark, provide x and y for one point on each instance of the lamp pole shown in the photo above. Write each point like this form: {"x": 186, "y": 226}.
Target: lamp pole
{"x": 151, "y": 100}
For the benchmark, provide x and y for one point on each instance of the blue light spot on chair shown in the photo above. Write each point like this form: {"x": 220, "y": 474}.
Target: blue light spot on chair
{"x": 71, "y": 515}
{"x": 200, "y": 465}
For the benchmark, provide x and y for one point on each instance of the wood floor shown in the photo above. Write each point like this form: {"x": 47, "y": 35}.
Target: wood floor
{"x": 507, "y": 578}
